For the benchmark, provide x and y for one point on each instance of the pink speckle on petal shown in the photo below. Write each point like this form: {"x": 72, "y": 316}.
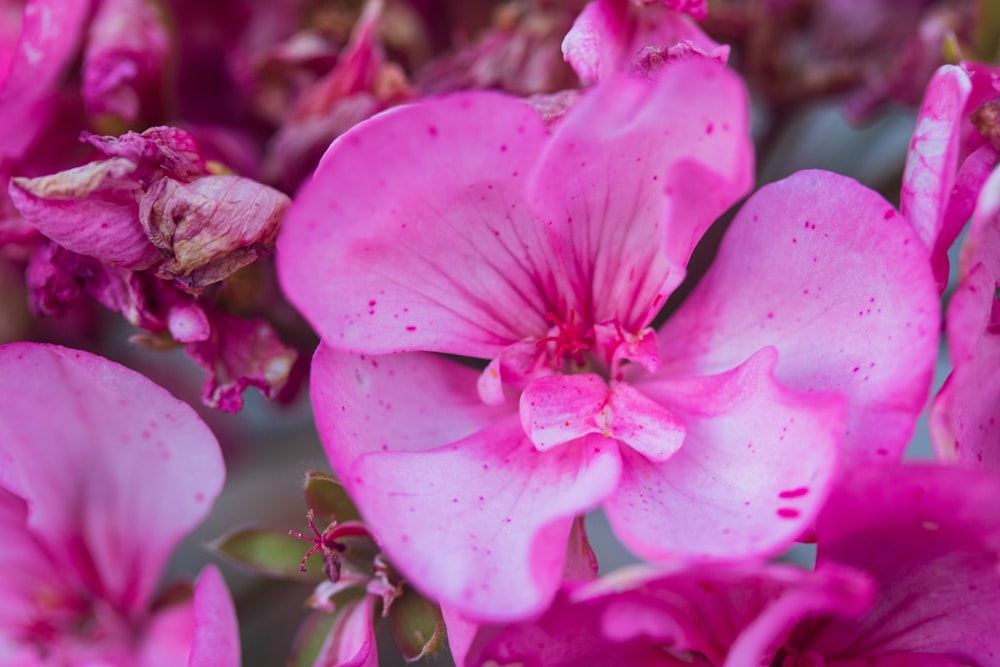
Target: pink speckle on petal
{"x": 787, "y": 513}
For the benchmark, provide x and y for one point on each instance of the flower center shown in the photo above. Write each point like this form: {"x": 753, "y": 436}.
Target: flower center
{"x": 66, "y": 628}
{"x": 568, "y": 340}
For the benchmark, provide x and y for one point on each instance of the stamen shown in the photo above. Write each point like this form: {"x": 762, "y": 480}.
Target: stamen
{"x": 324, "y": 543}
{"x": 566, "y": 341}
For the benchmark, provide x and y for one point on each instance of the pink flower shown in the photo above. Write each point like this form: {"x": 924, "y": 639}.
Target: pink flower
{"x": 965, "y": 414}
{"x": 906, "y": 575}
{"x": 154, "y": 203}
{"x": 611, "y": 36}
{"x": 101, "y": 474}
{"x": 947, "y": 164}
{"x": 462, "y": 226}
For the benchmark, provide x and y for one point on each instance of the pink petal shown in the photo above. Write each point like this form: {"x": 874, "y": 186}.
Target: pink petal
{"x": 461, "y": 633}
{"x": 126, "y": 60}
{"x": 643, "y": 424}
{"x": 903, "y": 660}
{"x": 58, "y": 278}
{"x": 458, "y": 497}
{"x": 22, "y": 553}
{"x": 969, "y": 181}
{"x": 965, "y": 414}
{"x": 557, "y": 409}
{"x": 933, "y": 158}
{"x": 632, "y": 215}
{"x": 983, "y": 244}
{"x": 351, "y": 642}
{"x": 90, "y": 210}
{"x": 933, "y": 561}
{"x": 593, "y": 45}
{"x": 567, "y": 635}
{"x": 153, "y": 467}
{"x": 796, "y": 596}
{"x": 846, "y": 296}
{"x": 237, "y": 353}
{"x": 610, "y": 35}
{"x": 188, "y": 323}
{"x": 158, "y": 151}
{"x": 701, "y": 615}
{"x": 394, "y": 402}
{"x": 166, "y": 637}
{"x": 211, "y": 227}
{"x": 412, "y": 233}
{"x": 696, "y": 8}
{"x": 750, "y": 477}
{"x": 216, "y": 640}
{"x": 50, "y": 35}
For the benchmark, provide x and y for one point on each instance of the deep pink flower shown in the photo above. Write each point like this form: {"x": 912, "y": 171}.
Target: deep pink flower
{"x": 611, "y": 36}
{"x": 101, "y": 474}
{"x": 906, "y": 576}
{"x": 461, "y": 225}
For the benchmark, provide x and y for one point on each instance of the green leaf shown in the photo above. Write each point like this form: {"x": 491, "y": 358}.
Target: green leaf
{"x": 328, "y": 498}
{"x": 416, "y": 625}
{"x": 270, "y": 552}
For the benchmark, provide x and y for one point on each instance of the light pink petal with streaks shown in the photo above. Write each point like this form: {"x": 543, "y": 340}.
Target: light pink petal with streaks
{"x": 627, "y": 219}
{"x": 413, "y": 233}
{"x": 845, "y": 295}
{"x": 749, "y": 478}
{"x": 153, "y": 467}
{"x": 453, "y": 489}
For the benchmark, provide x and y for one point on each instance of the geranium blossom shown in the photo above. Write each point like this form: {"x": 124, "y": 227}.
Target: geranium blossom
{"x": 101, "y": 474}
{"x": 905, "y": 575}
{"x": 460, "y": 225}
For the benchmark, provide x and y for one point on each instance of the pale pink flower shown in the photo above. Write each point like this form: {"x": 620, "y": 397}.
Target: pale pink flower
{"x": 101, "y": 475}
{"x": 461, "y": 225}
{"x": 906, "y": 576}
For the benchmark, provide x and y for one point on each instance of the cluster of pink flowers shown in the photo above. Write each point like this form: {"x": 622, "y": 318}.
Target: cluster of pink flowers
{"x": 500, "y": 250}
